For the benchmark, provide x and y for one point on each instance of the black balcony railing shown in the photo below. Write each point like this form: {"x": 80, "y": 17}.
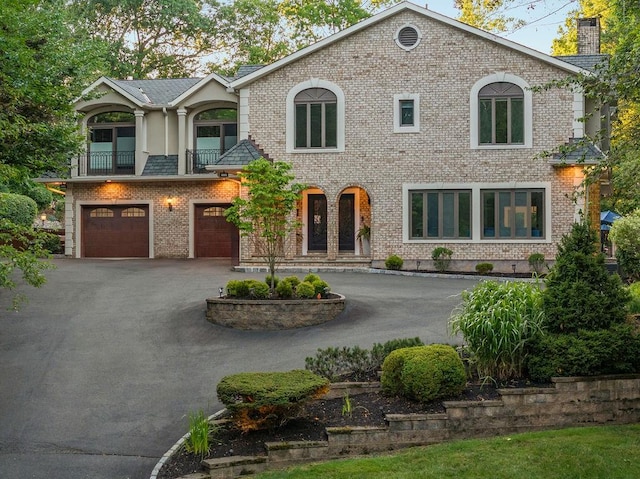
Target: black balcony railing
{"x": 107, "y": 163}
{"x": 198, "y": 159}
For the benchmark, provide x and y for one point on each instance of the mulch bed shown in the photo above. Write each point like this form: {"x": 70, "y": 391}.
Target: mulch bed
{"x": 368, "y": 409}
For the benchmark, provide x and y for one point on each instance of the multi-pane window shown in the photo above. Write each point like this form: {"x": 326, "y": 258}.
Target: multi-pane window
{"x": 512, "y": 214}
{"x": 440, "y": 214}
{"x": 316, "y": 119}
{"x": 112, "y": 143}
{"x": 501, "y": 111}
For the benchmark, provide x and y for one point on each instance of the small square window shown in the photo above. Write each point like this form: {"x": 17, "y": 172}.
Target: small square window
{"x": 406, "y": 113}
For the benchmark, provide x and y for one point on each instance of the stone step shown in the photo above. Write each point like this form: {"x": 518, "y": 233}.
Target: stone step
{"x": 234, "y": 466}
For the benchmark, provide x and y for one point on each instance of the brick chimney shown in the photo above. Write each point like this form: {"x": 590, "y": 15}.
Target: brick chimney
{"x": 588, "y": 36}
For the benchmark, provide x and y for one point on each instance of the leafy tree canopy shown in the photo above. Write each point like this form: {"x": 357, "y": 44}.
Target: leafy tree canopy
{"x": 489, "y": 15}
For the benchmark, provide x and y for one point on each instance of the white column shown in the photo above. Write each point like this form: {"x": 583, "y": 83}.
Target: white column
{"x": 140, "y": 141}
{"x": 182, "y": 141}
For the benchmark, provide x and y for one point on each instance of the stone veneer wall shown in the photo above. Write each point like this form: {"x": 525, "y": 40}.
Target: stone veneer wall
{"x": 571, "y": 402}
{"x": 370, "y": 68}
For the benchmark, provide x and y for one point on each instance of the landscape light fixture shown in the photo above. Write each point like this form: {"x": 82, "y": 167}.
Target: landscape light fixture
{"x": 221, "y": 291}
{"x": 514, "y": 268}
{"x": 43, "y": 218}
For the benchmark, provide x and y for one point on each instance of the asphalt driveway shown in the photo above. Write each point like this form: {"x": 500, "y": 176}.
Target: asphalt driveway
{"x": 100, "y": 368}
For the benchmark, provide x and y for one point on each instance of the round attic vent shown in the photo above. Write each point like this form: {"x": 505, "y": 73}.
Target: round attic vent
{"x": 408, "y": 37}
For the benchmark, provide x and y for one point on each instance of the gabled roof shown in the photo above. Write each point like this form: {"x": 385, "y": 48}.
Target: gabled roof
{"x": 156, "y": 92}
{"x": 402, "y": 7}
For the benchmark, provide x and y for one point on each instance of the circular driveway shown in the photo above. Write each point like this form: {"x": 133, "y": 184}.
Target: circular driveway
{"x": 101, "y": 367}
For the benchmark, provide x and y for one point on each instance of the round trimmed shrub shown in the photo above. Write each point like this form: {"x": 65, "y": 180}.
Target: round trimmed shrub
{"x": 305, "y": 290}
{"x": 394, "y": 262}
{"x": 391, "y": 379}
{"x": 257, "y": 289}
{"x": 40, "y": 195}
{"x": 311, "y": 278}
{"x": 321, "y": 287}
{"x": 484, "y": 268}
{"x": 292, "y": 280}
{"x": 433, "y": 372}
{"x": 284, "y": 290}
{"x": 237, "y": 288}
{"x": 276, "y": 280}
{"x": 19, "y": 209}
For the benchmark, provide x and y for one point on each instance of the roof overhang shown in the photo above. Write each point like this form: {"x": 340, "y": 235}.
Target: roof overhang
{"x": 231, "y": 171}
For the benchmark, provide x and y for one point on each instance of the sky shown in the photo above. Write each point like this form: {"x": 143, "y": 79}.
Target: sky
{"x": 543, "y": 17}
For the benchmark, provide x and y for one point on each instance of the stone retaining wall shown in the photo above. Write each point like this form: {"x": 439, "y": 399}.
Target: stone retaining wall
{"x": 273, "y": 314}
{"x": 570, "y": 402}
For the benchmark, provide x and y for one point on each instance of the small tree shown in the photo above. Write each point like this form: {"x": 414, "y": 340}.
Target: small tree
{"x": 265, "y": 217}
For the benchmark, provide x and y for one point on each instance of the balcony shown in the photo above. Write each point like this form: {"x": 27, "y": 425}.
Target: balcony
{"x": 197, "y": 160}
{"x": 104, "y": 163}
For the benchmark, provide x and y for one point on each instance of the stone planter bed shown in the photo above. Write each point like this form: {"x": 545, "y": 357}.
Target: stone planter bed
{"x": 568, "y": 402}
{"x": 273, "y": 314}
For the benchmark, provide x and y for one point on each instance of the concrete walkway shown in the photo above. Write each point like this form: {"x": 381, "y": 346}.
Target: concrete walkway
{"x": 100, "y": 368}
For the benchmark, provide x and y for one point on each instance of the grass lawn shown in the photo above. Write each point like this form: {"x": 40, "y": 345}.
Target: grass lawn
{"x": 609, "y": 452}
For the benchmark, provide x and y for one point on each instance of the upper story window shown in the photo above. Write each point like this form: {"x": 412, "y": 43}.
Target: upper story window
{"x": 406, "y": 113}
{"x": 501, "y": 112}
{"x": 316, "y": 119}
{"x": 112, "y": 143}
{"x": 216, "y": 130}
{"x": 315, "y": 115}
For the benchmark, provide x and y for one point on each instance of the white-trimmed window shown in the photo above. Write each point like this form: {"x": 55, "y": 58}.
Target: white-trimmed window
{"x": 513, "y": 213}
{"x": 406, "y": 113}
{"x": 501, "y": 112}
{"x": 315, "y": 117}
{"x": 440, "y": 214}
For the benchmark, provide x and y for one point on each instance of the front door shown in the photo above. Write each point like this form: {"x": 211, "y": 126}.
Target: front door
{"x": 317, "y": 223}
{"x": 347, "y": 234}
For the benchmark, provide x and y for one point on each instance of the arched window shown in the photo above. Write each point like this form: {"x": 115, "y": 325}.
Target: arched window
{"x": 501, "y": 113}
{"x": 315, "y": 117}
{"x": 112, "y": 143}
{"x": 133, "y": 212}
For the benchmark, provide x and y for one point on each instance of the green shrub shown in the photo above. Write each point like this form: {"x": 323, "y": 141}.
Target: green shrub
{"x": 634, "y": 304}
{"x": 379, "y": 352}
{"x": 40, "y": 195}
{"x": 580, "y": 293}
{"x": 360, "y": 364}
{"x": 441, "y": 257}
{"x": 391, "y": 379}
{"x": 497, "y": 322}
{"x": 267, "y": 281}
{"x": 257, "y": 289}
{"x": 537, "y": 262}
{"x": 237, "y": 288}
{"x": 335, "y": 363}
{"x": 268, "y": 400}
{"x": 625, "y": 233}
{"x": 305, "y": 290}
{"x": 52, "y": 243}
{"x": 292, "y": 280}
{"x": 484, "y": 268}
{"x": 284, "y": 290}
{"x": 19, "y": 209}
{"x": 321, "y": 287}
{"x": 586, "y": 353}
{"x": 433, "y": 372}
{"x": 394, "y": 262}
{"x": 311, "y": 278}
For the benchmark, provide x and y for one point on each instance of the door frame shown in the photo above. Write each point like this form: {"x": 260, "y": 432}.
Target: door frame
{"x": 335, "y": 201}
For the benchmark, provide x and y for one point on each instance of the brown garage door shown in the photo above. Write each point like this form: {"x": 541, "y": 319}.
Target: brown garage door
{"x": 115, "y": 231}
{"x": 215, "y": 237}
